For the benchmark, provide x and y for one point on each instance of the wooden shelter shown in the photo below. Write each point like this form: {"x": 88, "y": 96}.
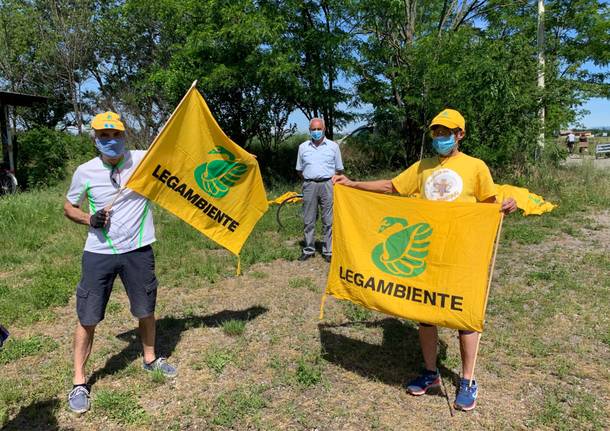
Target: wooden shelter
{"x": 12, "y": 99}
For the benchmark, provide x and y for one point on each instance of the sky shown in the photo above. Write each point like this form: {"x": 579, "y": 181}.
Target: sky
{"x": 598, "y": 116}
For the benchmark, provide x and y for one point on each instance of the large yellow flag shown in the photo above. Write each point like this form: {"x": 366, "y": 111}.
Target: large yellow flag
{"x": 421, "y": 260}
{"x": 195, "y": 171}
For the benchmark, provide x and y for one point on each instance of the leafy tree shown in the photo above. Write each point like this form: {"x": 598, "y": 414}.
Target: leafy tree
{"x": 317, "y": 41}
{"x": 477, "y": 57}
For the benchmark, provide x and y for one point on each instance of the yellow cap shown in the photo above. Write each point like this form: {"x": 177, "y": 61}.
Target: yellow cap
{"x": 449, "y": 118}
{"x": 107, "y": 120}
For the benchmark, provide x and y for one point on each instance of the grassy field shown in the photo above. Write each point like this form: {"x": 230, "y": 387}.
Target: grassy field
{"x": 252, "y": 354}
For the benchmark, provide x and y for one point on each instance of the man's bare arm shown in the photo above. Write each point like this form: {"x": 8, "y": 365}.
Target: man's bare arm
{"x": 74, "y": 213}
{"x": 377, "y": 186}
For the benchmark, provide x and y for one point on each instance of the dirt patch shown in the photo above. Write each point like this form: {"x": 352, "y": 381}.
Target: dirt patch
{"x": 290, "y": 371}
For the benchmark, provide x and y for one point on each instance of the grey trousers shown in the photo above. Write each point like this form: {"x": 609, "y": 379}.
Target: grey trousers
{"x": 315, "y": 194}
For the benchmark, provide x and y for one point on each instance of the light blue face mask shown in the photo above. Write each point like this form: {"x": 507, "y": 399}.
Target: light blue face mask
{"x": 110, "y": 147}
{"x": 443, "y": 144}
{"x": 316, "y": 135}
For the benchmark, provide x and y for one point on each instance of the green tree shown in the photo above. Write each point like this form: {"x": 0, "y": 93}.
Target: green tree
{"x": 477, "y": 57}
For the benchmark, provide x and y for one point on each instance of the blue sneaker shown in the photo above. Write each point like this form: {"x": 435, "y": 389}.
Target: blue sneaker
{"x": 161, "y": 364}
{"x": 426, "y": 381}
{"x": 466, "y": 398}
{"x": 78, "y": 399}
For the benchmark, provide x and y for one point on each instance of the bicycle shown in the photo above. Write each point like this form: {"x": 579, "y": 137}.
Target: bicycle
{"x": 8, "y": 182}
{"x": 286, "y": 214}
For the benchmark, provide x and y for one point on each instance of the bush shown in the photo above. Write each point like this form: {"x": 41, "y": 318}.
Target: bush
{"x": 43, "y": 155}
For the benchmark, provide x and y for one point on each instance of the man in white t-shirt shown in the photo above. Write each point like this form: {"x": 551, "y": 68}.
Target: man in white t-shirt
{"x": 118, "y": 243}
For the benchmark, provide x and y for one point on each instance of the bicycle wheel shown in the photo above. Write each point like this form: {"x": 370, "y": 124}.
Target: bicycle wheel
{"x": 8, "y": 183}
{"x": 288, "y": 213}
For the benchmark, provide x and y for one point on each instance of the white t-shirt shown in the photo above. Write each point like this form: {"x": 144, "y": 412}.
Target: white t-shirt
{"x": 131, "y": 221}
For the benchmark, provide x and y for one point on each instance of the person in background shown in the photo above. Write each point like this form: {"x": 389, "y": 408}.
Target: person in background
{"x": 318, "y": 160}
{"x": 570, "y": 140}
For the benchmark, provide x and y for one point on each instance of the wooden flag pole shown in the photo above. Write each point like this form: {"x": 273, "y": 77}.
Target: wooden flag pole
{"x": 118, "y": 193}
{"x": 491, "y": 273}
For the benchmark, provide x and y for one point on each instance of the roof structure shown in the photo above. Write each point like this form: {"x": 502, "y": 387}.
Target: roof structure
{"x": 20, "y": 99}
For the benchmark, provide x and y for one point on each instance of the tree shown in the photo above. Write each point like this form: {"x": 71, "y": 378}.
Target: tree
{"x": 66, "y": 32}
{"x": 317, "y": 41}
{"x": 477, "y": 57}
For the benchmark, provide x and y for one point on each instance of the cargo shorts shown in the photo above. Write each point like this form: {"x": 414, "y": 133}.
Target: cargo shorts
{"x": 137, "y": 272}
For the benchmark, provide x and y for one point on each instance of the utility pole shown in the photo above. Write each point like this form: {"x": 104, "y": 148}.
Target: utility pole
{"x": 541, "y": 69}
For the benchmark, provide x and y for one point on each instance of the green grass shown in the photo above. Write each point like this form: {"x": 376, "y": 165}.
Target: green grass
{"x": 10, "y": 393}
{"x": 233, "y": 327}
{"x": 302, "y": 283}
{"x": 356, "y": 313}
{"x": 15, "y": 349}
{"x": 157, "y": 376}
{"x": 309, "y": 370}
{"x": 238, "y": 404}
{"x": 218, "y": 359}
{"x": 120, "y": 406}
{"x": 568, "y": 410}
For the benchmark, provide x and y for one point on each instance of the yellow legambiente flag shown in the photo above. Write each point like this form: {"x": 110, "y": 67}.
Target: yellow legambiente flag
{"x": 527, "y": 201}
{"x": 421, "y": 260}
{"x": 196, "y": 172}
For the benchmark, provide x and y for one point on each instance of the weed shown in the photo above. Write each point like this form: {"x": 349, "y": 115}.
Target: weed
{"x": 524, "y": 233}
{"x": 568, "y": 410}
{"x": 121, "y": 406}
{"x": 113, "y": 308}
{"x": 157, "y": 376}
{"x": 19, "y": 348}
{"x": 356, "y": 313}
{"x": 259, "y": 275}
{"x": 238, "y": 404}
{"x": 309, "y": 370}
{"x": 302, "y": 282}
{"x": 233, "y": 327}
{"x": 218, "y": 359}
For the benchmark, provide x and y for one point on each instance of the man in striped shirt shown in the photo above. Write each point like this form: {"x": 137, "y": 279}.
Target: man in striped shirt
{"x": 119, "y": 240}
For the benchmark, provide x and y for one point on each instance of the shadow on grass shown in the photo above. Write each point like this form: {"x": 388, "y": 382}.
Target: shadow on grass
{"x": 39, "y": 415}
{"x": 169, "y": 332}
{"x": 397, "y": 360}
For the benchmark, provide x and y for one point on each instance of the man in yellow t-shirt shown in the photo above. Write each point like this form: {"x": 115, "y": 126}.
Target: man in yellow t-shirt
{"x": 449, "y": 176}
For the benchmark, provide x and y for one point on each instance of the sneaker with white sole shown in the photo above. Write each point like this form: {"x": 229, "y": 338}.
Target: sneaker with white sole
{"x": 161, "y": 364}
{"x": 427, "y": 381}
{"x": 78, "y": 399}
{"x": 466, "y": 398}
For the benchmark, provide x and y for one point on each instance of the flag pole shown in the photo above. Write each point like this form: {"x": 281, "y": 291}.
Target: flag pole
{"x": 161, "y": 131}
{"x": 109, "y": 207}
{"x": 491, "y": 273}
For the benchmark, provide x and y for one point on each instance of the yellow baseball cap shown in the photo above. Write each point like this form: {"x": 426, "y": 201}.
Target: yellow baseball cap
{"x": 107, "y": 120}
{"x": 449, "y": 118}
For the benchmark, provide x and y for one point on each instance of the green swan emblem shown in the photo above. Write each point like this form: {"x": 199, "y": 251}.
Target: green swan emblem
{"x": 403, "y": 252}
{"x": 218, "y": 176}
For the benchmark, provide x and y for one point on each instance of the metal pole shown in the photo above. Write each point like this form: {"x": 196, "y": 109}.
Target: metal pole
{"x": 541, "y": 113}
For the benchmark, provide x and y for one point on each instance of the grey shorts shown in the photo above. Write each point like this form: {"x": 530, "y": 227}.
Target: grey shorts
{"x": 137, "y": 271}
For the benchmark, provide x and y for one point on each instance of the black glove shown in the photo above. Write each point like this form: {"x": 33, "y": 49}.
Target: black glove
{"x": 98, "y": 219}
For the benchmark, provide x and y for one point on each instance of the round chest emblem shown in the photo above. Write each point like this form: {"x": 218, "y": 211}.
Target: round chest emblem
{"x": 443, "y": 185}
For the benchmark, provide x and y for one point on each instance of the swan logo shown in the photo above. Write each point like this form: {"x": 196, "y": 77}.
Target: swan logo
{"x": 218, "y": 176}
{"x": 403, "y": 252}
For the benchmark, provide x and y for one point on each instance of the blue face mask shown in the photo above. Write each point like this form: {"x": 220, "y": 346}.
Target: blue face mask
{"x": 110, "y": 147}
{"x": 443, "y": 144}
{"x": 316, "y": 135}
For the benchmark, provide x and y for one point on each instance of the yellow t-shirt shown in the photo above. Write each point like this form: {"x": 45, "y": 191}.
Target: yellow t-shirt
{"x": 459, "y": 178}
